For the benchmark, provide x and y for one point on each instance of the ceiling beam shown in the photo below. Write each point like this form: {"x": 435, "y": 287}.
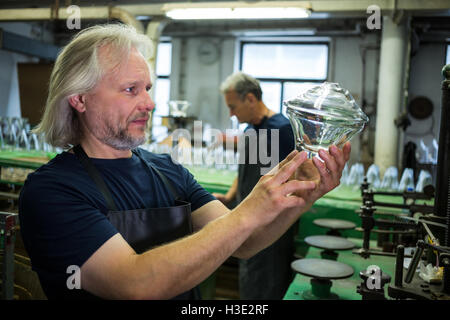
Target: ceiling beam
{"x": 159, "y": 9}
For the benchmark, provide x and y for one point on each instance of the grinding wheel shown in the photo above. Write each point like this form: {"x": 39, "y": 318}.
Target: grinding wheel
{"x": 334, "y": 224}
{"x": 322, "y": 269}
{"x": 329, "y": 242}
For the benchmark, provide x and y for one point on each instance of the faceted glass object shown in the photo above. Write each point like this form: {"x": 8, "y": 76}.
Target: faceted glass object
{"x": 178, "y": 108}
{"x": 324, "y": 115}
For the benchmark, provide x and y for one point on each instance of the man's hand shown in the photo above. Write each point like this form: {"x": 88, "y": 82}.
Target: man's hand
{"x": 274, "y": 192}
{"x": 326, "y": 174}
{"x": 221, "y": 197}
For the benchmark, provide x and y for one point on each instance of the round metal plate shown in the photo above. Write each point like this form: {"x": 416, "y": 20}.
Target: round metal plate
{"x": 334, "y": 224}
{"x": 329, "y": 242}
{"x": 322, "y": 269}
{"x": 420, "y": 107}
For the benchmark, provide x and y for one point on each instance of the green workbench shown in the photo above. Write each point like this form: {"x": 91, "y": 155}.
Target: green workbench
{"x": 344, "y": 288}
{"x": 211, "y": 179}
{"x": 342, "y": 203}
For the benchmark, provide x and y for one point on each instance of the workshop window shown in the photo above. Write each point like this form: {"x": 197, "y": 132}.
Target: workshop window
{"x": 162, "y": 88}
{"x": 284, "y": 69}
{"x": 162, "y": 84}
{"x": 447, "y": 61}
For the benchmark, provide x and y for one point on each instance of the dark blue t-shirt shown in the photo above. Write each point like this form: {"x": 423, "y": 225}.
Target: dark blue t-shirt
{"x": 63, "y": 214}
{"x": 250, "y": 171}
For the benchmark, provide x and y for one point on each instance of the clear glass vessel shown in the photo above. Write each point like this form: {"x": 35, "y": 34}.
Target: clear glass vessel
{"x": 178, "y": 108}
{"x": 324, "y": 115}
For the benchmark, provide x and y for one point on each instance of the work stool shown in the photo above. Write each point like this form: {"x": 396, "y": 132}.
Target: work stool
{"x": 334, "y": 225}
{"x": 322, "y": 272}
{"x": 330, "y": 244}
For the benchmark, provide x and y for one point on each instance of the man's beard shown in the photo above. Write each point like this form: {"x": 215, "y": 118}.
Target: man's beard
{"x": 121, "y": 140}
{"x": 118, "y": 138}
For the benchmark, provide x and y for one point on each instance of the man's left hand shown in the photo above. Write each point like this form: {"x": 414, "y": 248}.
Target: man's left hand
{"x": 326, "y": 174}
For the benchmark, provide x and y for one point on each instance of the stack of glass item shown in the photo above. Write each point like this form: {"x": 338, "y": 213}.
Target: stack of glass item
{"x": 15, "y": 135}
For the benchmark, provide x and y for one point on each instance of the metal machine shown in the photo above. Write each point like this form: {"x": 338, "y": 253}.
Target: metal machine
{"x": 427, "y": 226}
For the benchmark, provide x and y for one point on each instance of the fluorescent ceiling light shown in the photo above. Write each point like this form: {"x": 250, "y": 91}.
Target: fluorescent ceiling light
{"x": 238, "y": 13}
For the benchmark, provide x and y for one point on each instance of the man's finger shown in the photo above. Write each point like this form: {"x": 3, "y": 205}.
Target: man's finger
{"x": 289, "y": 168}
{"x": 330, "y": 162}
{"x": 347, "y": 149}
{"x": 295, "y": 185}
{"x": 294, "y": 201}
{"x": 288, "y": 158}
{"x": 338, "y": 156}
{"x": 325, "y": 175}
{"x": 275, "y": 169}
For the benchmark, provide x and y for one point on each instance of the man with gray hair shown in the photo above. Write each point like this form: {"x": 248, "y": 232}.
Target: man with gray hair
{"x": 266, "y": 275}
{"x": 129, "y": 223}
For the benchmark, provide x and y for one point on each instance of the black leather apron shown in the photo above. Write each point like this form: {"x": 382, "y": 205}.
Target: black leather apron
{"x": 145, "y": 228}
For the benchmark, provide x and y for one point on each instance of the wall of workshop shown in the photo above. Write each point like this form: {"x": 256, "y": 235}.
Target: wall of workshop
{"x": 347, "y": 69}
{"x": 199, "y": 83}
{"x": 9, "y": 84}
{"x": 426, "y": 80}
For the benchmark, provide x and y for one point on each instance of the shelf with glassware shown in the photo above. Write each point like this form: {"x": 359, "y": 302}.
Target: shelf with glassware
{"x": 21, "y": 150}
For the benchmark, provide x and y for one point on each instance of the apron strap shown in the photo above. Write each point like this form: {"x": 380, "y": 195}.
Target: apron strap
{"x": 95, "y": 175}
{"x": 164, "y": 179}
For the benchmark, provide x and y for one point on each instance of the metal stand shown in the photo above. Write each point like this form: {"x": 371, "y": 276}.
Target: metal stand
{"x": 376, "y": 293}
{"x": 368, "y": 222}
{"x": 320, "y": 290}
{"x": 322, "y": 272}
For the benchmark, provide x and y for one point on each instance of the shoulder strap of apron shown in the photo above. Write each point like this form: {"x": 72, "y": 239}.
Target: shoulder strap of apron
{"x": 164, "y": 179}
{"x": 95, "y": 175}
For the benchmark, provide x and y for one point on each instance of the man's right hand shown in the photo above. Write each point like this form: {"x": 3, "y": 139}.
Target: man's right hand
{"x": 274, "y": 192}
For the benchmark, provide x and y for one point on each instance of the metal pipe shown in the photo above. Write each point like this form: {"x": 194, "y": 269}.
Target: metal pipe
{"x": 390, "y": 92}
{"x": 399, "y": 266}
{"x": 36, "y": 14}
{"x": 415, "y": 261}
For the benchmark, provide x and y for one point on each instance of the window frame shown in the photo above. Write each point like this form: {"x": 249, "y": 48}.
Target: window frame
{"x": 165, "y": 76}
{"x": 447, "y": 50}
{"x": 282, "y": 81}
{"x": 155, "y": 116}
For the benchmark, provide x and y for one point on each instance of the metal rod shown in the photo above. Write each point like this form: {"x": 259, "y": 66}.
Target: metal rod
{"x": 414, "y": 262}
{"x": 399, "y": 266}
{"x": 425, "y": 222}
{"x": 430, "y": 234}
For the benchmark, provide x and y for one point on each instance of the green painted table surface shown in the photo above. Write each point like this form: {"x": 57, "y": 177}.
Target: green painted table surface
{"x": 344, "y": 288}
{"x": 25, "y": 159}
{"x": 342, "y": 203}
{"x": 213, "y": 180}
